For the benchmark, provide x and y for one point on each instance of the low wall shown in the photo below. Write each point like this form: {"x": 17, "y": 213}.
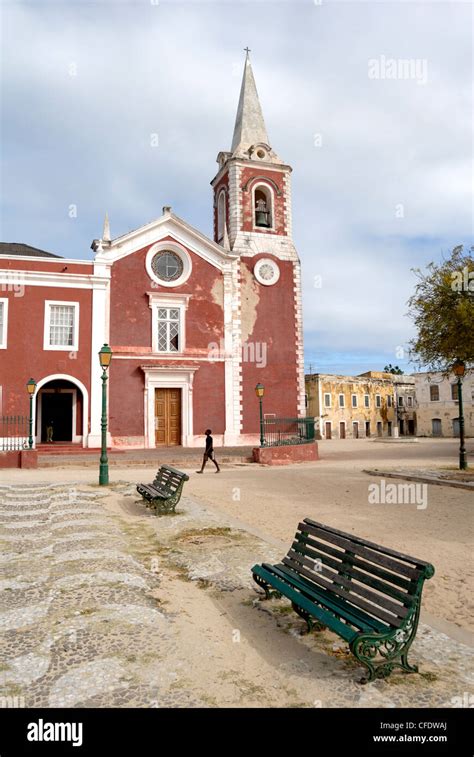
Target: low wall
{"x": 25, "y": 458}
{"x": 286, "y": 454}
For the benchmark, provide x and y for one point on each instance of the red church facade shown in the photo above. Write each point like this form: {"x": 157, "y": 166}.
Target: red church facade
{"x": 194, "y": 324}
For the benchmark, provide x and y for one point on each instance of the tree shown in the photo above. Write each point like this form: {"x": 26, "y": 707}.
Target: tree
{"x": 393, "y": 369}
{"x": 442, "y": 309}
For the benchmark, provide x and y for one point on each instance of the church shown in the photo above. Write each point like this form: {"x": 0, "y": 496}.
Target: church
{"x": 194, "y": 323}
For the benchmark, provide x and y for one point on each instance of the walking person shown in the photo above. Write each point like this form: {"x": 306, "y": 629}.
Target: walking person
{"x": 209, "y": 453}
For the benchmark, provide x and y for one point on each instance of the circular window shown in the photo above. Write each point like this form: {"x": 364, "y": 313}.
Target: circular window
{"x": 266, "y": 271}
{"x": 167, "y": 265}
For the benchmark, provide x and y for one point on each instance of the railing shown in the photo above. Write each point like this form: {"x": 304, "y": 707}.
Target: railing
{"x": 14, "y": 432}
{"x": 280, "y": 431}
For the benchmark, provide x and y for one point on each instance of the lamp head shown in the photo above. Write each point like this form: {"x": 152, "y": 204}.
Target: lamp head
{"x": 259, "y": 390}
{"x": 459, "y": 368}
{"x": 31, "y": 386}
{"x": 105, "y": 356}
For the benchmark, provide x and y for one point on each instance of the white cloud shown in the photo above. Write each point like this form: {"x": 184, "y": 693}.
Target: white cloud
{"x": 174, "y": 69}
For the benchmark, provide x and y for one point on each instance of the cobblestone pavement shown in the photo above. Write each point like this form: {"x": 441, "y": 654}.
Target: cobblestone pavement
{"x": 104, "y": 604}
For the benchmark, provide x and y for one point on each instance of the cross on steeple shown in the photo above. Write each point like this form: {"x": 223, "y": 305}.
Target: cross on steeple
{"x": 247, "y": 50}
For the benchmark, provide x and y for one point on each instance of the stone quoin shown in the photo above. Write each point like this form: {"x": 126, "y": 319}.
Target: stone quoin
{"x": 194, "y": 323}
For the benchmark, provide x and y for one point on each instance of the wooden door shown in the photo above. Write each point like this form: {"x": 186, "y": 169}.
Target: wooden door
{"x": 328, "y": 429}
{"x": 355, "y": 430}
{"x": 342, "y": 430}
{"x": 167, "y": 417}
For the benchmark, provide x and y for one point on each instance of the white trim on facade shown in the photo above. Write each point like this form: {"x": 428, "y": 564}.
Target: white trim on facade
{"x": 100, "y": 335}
{"x": 183, "y": 255}
{"x": 74, "y": 437}
{"x": 157, "y": 377}
{"x": 74, "y": 347}
{"x": 4, "y": 332}
{"x": 48, "y": 279}
{"x": 258, "y": 275}
{"x": 269, "y": 193}
{"x": 85, "y": 401}
{"x": 46, "y": 261}
{"x": 168, "y": 300}
{"x": 156, "y": 232}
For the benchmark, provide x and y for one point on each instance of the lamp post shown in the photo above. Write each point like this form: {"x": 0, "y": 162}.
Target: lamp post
{"x": 459, "y": 369}
{"x": 260, "y": 391}
{"x": 105, "y": 356}
{"x": 31, "y": 387}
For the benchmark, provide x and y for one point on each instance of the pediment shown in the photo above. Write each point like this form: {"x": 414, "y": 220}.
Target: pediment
{"x": 168, "y": 225}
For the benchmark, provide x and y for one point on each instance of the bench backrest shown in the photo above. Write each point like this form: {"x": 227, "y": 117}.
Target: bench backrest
{"x": 170, "y": 479}
{"x": 377, "y": 580}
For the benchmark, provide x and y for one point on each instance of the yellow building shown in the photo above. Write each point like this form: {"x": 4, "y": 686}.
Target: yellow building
{"x": 359, "y": 406}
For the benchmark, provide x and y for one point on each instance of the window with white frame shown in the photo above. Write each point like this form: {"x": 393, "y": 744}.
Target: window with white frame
{"x": 3, "y": 322}
{"x": 263, "y": 206}
{"x": 410, "y": 401}
{"x": 327, "y": 400}
{"x": 354, "y": 400}
{"x": 341, "y": 400}
{"x": 378, "y": 400}
{"x": 169, "y": 329}
{"x": 366, "y": 400}
{"x": 389, "y": 400}
{"x": 221, "y": 215}
{"x": 61, "y": 325}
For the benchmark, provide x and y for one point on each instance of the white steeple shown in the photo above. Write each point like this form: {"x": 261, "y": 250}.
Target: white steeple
{"x": 249, "y": 124}
{"x": 106, "y": 231}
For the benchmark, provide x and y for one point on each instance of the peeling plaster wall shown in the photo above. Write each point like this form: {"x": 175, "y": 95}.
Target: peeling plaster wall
{"x": 444, "y": 409}
{"x": 131, "y": 341}
{"x": 318, "y": 386}
{"x": 250, "y": 297}
{"x": 269, "y": 322}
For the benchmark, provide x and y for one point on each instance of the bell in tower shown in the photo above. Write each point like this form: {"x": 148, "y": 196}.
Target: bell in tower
{"x": 262, "y": 215}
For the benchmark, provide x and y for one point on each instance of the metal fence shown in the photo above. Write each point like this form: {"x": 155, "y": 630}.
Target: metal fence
{"x": 280, "y": 431}
{"x": 14, "y": 432}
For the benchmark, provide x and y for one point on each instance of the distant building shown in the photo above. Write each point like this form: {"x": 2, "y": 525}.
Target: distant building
{"x": 437, "y": 409}
{"x": 353, "y": 407}
{"x": 405, "y": 402}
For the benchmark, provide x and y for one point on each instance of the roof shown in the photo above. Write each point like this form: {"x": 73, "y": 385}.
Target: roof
{"x": 249, "y": 124}
{"x": 17, "y": 248}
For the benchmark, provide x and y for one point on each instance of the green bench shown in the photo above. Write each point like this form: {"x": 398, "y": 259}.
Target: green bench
{"x": 165, "y": 492}
{"x": 367, "y": 594}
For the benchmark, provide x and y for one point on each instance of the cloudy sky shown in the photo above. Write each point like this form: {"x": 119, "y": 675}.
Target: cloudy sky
{"x": 382, "y": 166}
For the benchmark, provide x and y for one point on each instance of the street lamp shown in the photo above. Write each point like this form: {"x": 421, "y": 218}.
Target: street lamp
{"x": 260, "y": 391}
{"x": 31, "y": 386}
{"x": 459, "y": 369}
{"x": 105, "y": 356}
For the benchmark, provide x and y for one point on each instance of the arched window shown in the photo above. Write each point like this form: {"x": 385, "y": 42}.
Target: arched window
{"x": 221, "y": 216}
{"x": 263, "y": 206}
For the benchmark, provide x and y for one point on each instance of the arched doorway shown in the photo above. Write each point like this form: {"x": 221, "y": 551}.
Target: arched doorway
{"x": 62, "y": 407}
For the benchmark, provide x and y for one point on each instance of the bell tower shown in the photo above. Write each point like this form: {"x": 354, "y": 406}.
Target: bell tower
{"x": 252, "y": 189}
{"x": 252, "y": 219}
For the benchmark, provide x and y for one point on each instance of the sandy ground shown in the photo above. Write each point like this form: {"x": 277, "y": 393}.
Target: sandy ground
{"x": 270, "y": 502}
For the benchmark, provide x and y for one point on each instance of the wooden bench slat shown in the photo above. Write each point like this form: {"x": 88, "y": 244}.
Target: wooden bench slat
{"x": 392, "y": 620}
{"x": 367, "y": 594}
{"x": 352, "y": 615}
{"x": 346, "y": 566}
{"x": 370, "y": 544}
{"x": 167, "y": 487}
{"x": 370, "y": 554}
{"x": 337, "y": 579}
{"x": 358, "y": 562}
{"x": 346, "y": 632}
